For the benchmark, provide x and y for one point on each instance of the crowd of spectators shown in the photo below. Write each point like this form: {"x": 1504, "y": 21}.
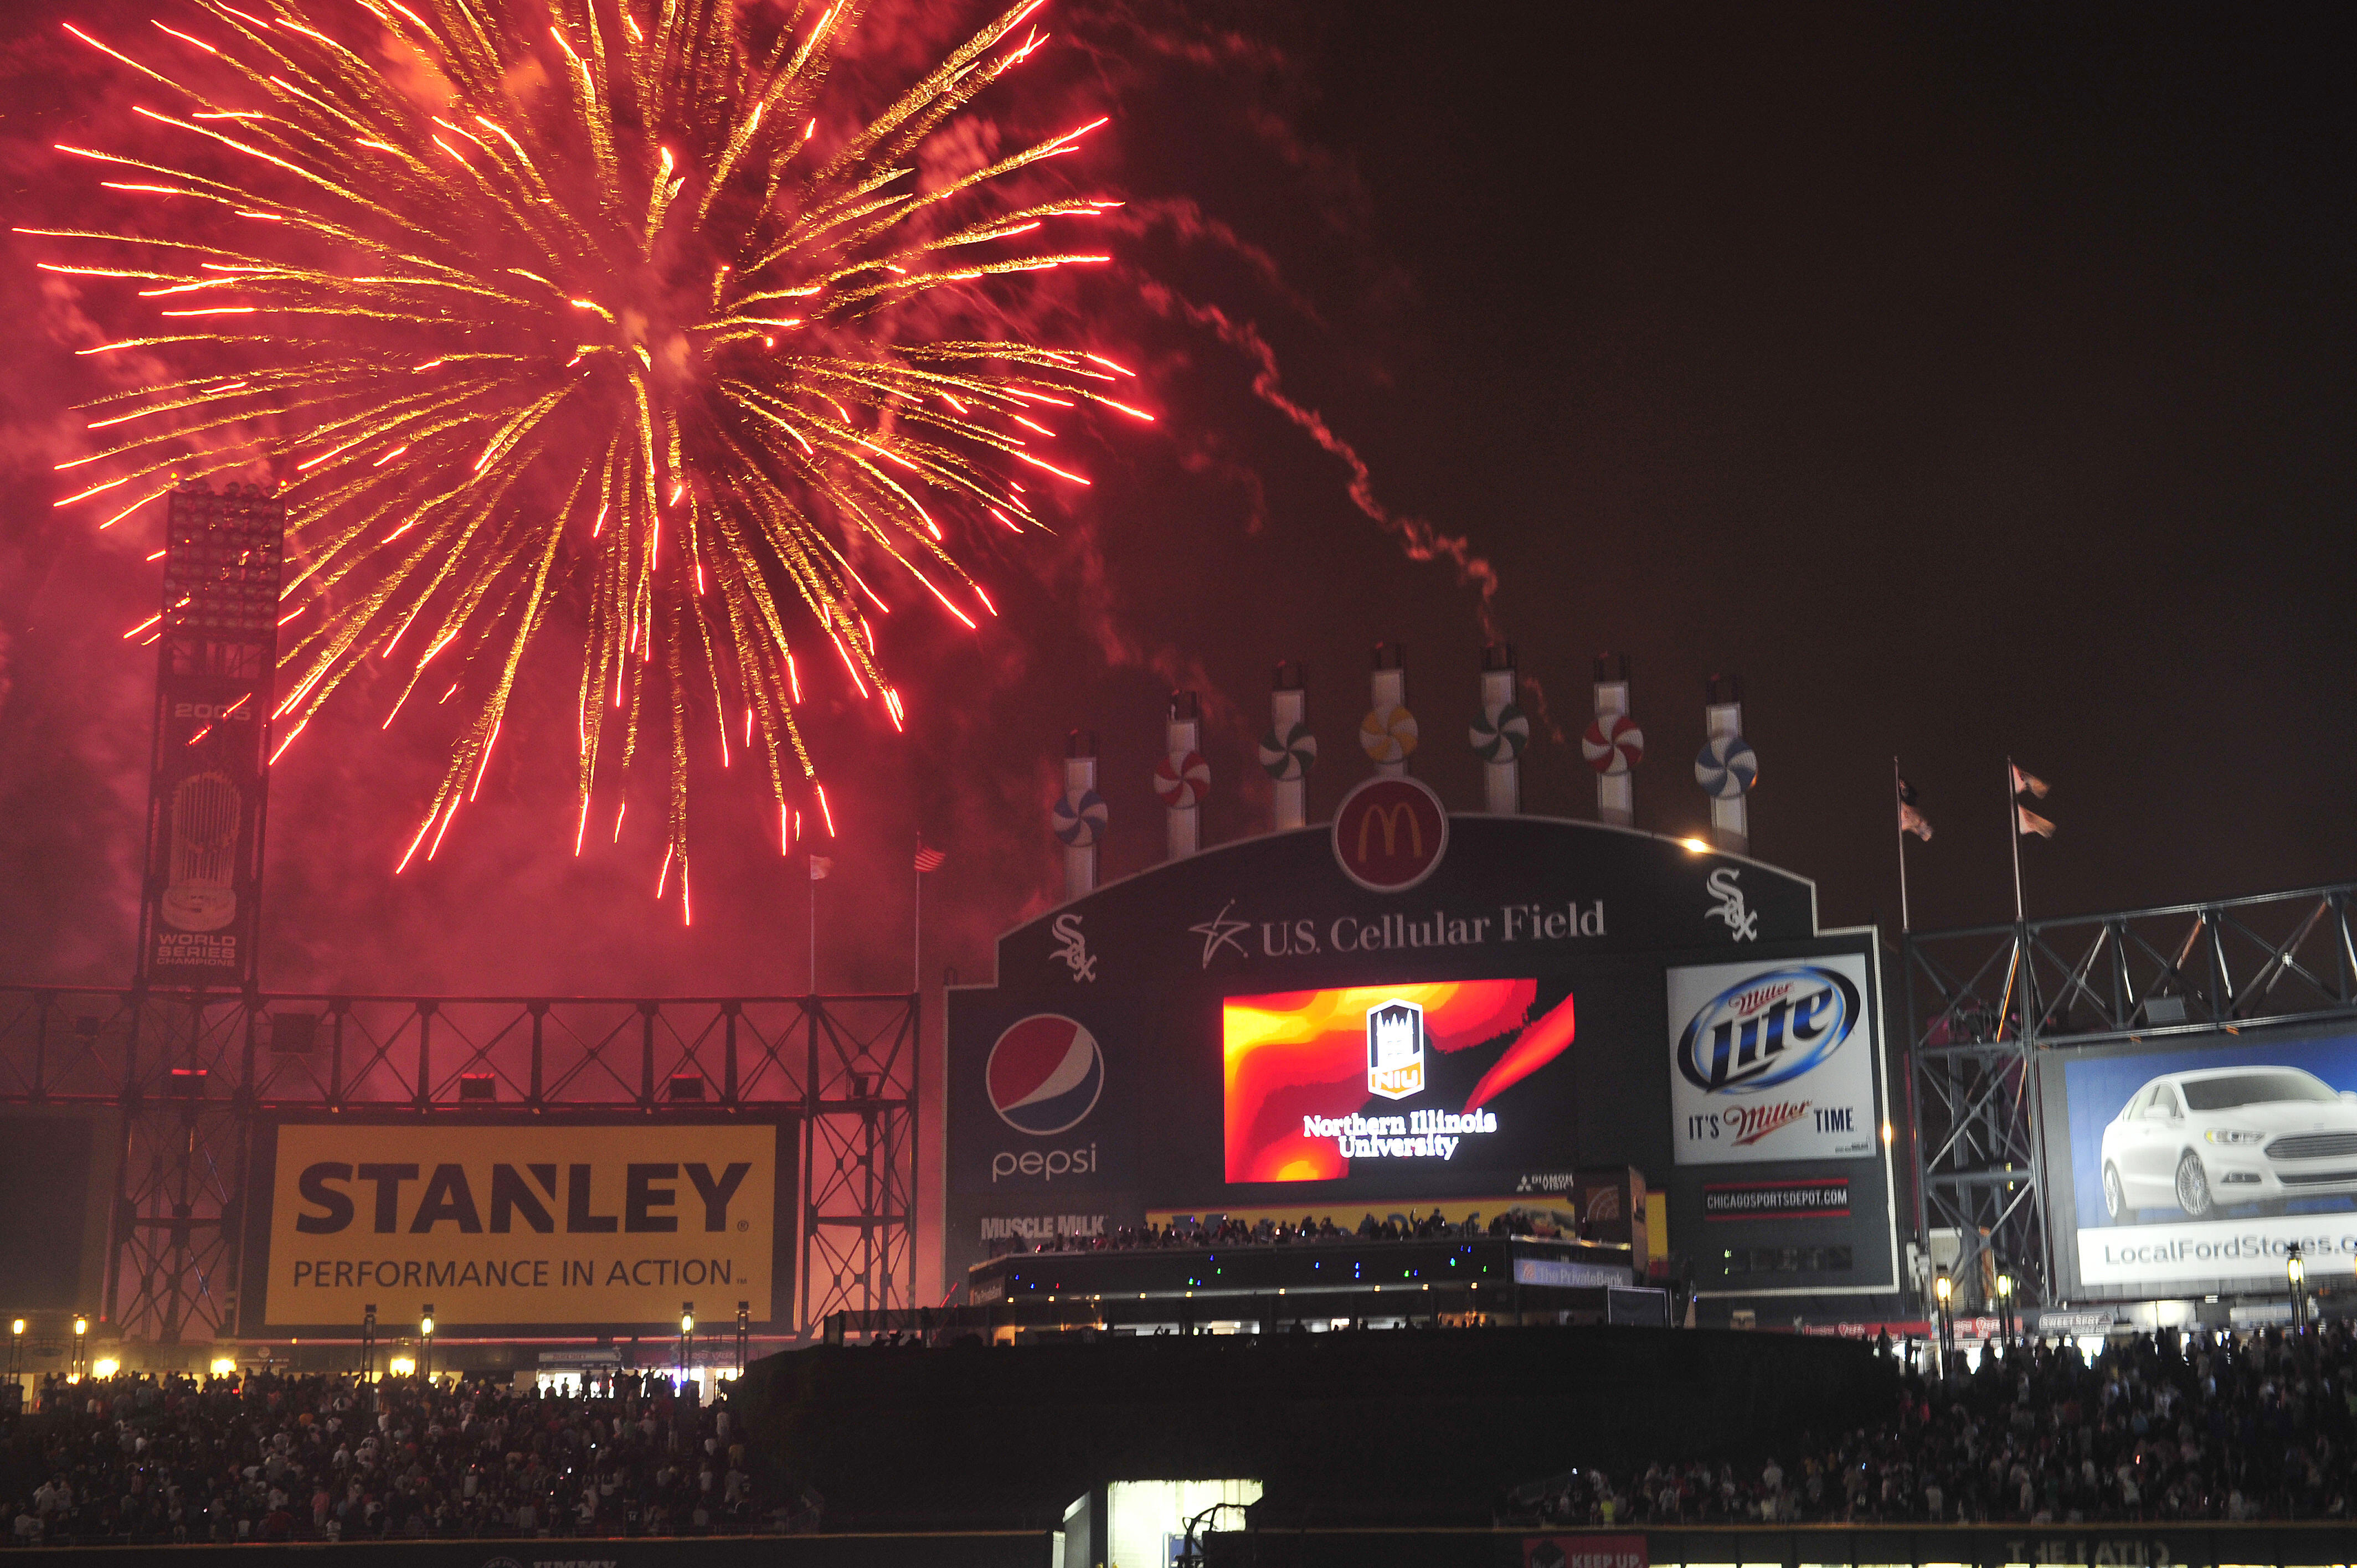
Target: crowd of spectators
{"x": 2166, "y": 1426}
{"x": 1189, "y": 1232}
{"x": 266, "y": 1457}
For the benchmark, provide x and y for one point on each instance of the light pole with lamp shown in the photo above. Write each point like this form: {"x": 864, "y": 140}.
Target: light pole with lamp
{"x": 80, "y": 1344}
{"x": 16, "y": 1348}
{"x": 368, "y": 1343}
{"x": 425, "y": 1349}
{"x": 2296, "y": 1271}
{"x": 686, "y": 1339}
{"x": 744, "y": 1333}
{"x": 1941, "y": 1287}
{"x": 2005, "y": 1309}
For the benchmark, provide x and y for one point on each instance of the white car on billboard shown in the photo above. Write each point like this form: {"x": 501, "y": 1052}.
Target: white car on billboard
{"x": 2204, "y": 1140}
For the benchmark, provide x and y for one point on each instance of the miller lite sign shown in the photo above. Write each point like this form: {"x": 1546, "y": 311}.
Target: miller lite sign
{"x": 1772, "y": 1061}
{"x": 1395, "y": 1049}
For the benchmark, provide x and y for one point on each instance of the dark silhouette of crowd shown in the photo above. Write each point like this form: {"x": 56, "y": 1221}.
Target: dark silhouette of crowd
{"x": 2161, "y": 1427}
{"x": 266, "y": 1457}
{"x": 1186, "y": 1233}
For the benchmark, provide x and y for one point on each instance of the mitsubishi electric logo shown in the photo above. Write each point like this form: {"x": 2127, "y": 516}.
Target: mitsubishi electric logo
{"x": 1395, "y": 1049}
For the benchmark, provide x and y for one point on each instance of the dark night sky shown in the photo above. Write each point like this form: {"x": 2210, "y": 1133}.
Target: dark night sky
{"x": 1969, "y": 379}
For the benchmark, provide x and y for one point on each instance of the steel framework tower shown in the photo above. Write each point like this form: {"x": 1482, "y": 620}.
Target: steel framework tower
{"x": 192, "y": 1074}
{"x": 185, "y": 1064}
{"x": 1993, "y": 1009}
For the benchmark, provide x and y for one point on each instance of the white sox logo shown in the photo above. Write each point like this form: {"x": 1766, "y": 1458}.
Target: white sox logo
{"x": 1072, "y": 948}
{"x": 1744, "y": 923}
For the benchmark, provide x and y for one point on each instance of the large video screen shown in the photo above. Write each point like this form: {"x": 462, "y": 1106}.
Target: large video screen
{"x": 1408, "y": 1078}
{"x": 53, "y": 1231}
{"x": 2204, "y": 1166}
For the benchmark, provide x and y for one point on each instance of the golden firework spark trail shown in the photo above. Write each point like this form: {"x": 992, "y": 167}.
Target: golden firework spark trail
{"x": 530, "y": 301}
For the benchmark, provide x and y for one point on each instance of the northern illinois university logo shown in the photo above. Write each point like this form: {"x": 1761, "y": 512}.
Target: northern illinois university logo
{"x": 1389, "y": 834}
{"x": 1395, "y": 1049}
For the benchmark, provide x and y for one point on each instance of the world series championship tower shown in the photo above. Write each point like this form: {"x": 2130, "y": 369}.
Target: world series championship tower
{"x": 217, "y": 647}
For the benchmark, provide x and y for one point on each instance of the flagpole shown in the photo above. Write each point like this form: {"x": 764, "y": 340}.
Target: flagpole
{"x": 2013, "y": 971}
{"x": 814, "y": 928}
{"x": 2013, "y": 836}
{"x": 916, "y": 937}
{"x": 1897, "y": 787}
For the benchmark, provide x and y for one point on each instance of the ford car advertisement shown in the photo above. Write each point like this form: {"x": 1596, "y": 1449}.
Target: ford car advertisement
{"x": 1772, "y": 1062}
{"x": 2204, "y": 1166}
{"x": 1318, "y": 1084}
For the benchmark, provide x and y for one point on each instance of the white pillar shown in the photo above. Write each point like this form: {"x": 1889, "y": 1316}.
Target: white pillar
{"x": 1079, "y": 779}
{"x": 1282, "y": 755}
{"x": 1184, "y": 735}
{"x": 1730, "y": 822}
{"x": 1616, "y": 792}
{"x": 1393, "y": 735}
{"x": 1503, "y": 731}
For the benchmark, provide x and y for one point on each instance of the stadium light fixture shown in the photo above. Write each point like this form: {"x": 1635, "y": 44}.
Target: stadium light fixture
{"x": 687, "y": 1338}
{"x": 16, "y": 1346}
{"x": 426, "y": 1333}
{"x": 1942, "y": 1287}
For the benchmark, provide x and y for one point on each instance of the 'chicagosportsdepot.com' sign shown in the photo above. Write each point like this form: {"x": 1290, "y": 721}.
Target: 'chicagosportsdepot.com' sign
{"x": 510, "y": 1226}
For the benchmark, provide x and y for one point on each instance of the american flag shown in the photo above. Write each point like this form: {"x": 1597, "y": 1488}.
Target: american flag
{"x": 928, "y": 859}
{"x": 1911, "y": 820}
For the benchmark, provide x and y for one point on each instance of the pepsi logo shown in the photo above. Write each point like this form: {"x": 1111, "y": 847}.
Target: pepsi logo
{"x": 1044, "y": 1074}
{"x": 1767, "y": 1029}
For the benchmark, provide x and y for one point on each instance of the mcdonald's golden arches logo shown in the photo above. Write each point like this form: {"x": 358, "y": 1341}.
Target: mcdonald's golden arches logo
{"x": 1389, "y": 833}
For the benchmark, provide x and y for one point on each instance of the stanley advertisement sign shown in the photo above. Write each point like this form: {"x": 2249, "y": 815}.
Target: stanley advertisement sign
{"x": 502, "y": 1227}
